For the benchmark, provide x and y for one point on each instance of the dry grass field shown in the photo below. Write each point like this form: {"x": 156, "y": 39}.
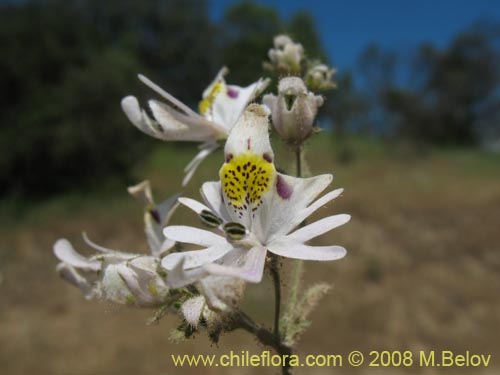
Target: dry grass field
{"x": 422, "y": 270}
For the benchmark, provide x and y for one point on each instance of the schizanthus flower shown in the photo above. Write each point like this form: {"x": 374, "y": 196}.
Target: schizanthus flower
{"x": 253, "y": 210}
{"x": 220, "y": 108}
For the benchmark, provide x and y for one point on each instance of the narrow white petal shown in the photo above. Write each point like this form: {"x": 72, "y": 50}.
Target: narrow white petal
{"x": 69, "y": 274}
{"x": 194, "y": 205}
{"x": 209, "y": 146}
{"x": 305, "y": 213}
{"x": 135, "y": 285}
{"x": 195, "y": 163}
{"x": 319, "y": 227}
{"x": 252, "y": 270}
{"x": 65, "y": 252}
{"x": 292, "y": 249}
{"x": 95, "y": 246}
{"x": 196, "y": 258}
{"x": 290, "y": 197}
{"x": 179, "y": 277}
{"x": 164, "y": 248}
{"x": 137, "y": 116}
{"x": 167, "y": 208}
{"x": 212, "y": 195}
{"x": 182, "y": 233}
{"x": 166, "y": 95}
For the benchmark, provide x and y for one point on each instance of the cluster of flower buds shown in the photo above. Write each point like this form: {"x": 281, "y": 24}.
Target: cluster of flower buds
{"x": 295, "y": 106}
{"x": 319, "y": 77}
{"x": 287, "y": 57}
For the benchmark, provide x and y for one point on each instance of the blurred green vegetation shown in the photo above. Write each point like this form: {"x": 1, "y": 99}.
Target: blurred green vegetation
{"x": 65, "y": 65}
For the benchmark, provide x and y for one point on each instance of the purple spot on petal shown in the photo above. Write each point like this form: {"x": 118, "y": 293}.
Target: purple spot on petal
{"x": 229, "y": 157}
{"x": 284, "y": 189}
{"x": 248, "y": 143}
{"x": 267, "y": 157}
{"x": 232, "y": 93}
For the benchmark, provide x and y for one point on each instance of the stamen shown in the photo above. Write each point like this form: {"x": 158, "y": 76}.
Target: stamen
{"x": 235, "y": 231}
{"x": 209, "y": 219}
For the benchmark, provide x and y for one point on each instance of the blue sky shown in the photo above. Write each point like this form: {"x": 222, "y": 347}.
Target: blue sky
{"x": 347, "y": 26}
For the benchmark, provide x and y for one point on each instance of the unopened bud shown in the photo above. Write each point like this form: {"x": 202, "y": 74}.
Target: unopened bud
{"x": 293, "y": 110}
{"x": 319, "y": 78}
{"x": 286, "y": 56}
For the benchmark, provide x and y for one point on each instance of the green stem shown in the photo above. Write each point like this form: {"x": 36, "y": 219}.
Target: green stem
{"x": 297, "y": 267}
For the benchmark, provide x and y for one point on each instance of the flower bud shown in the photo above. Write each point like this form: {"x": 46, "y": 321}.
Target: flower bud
{"x": 286, "y": 56}
{"x": 319, "y": 78}
{"x": 293, "y": 110}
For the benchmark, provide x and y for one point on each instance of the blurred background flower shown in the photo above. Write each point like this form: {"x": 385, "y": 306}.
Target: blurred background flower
{"x": 411, "y": 131}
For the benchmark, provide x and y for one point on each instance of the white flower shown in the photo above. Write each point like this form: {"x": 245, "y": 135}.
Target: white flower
{"x": 121, "y": 277}
{"x": 254, "y": 209}
{"x": 293, "y": 110}
{"x": 220, "y": 108}
{"x": 286, "y": 56}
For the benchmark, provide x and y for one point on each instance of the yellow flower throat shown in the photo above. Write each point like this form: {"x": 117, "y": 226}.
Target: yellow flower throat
{"x": 245, "y": 178}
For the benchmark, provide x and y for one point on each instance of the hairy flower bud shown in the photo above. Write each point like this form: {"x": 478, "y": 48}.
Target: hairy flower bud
{"x": 293, "y": 110}
{"x": 319, "y": 78}
{"x": 286, "y": 56}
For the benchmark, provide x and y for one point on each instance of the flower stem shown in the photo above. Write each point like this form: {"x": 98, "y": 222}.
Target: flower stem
{"x": 275, "y": 273}
{"x": 265, "y": 337}
{"x": 297, "y": 264}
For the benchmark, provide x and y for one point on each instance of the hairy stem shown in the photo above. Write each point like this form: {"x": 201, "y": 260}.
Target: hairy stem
{"x": 275, "y": 273}
{"x": 297, "y": 264}
{"x": 265, "y": 337}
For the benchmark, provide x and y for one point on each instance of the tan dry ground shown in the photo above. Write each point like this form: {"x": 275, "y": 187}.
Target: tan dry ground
{"x": 422, "y": 273}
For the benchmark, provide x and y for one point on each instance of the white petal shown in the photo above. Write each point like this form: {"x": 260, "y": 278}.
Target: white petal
{"x": 196, "y": 258}
{"x": 164, "y": 248}
{"x": 69, "y": 274}
{"x": 194, "y": 205}
{"x": 228, "y": 106}
{"x": 166, "y": 95}
{"x": 319, "y": 227}
{"x": 195, "y": 163}
{"x": 291, "y": 196}
{"x": 95, "y": 246}
{"x": 179, "y": 277}
{"x": 212, "y": 195}
{"x": 142, "y": 192}
{"x": 174, "y": 126}
{"x": 182, "y": 233}
{"x": 139, "y": 118}
{"x": 166, "y": 208}
{"x": 250, "y": 133}
{"x": 67, "y": 254}
{"x": 305, "y": 213}
{"x": 137, "y": 286}
{"x": 292, "y": 249}
{"x": 192, "y": 309}
{"x": 154, "y": 222}
{"x": 252, "y": 270}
